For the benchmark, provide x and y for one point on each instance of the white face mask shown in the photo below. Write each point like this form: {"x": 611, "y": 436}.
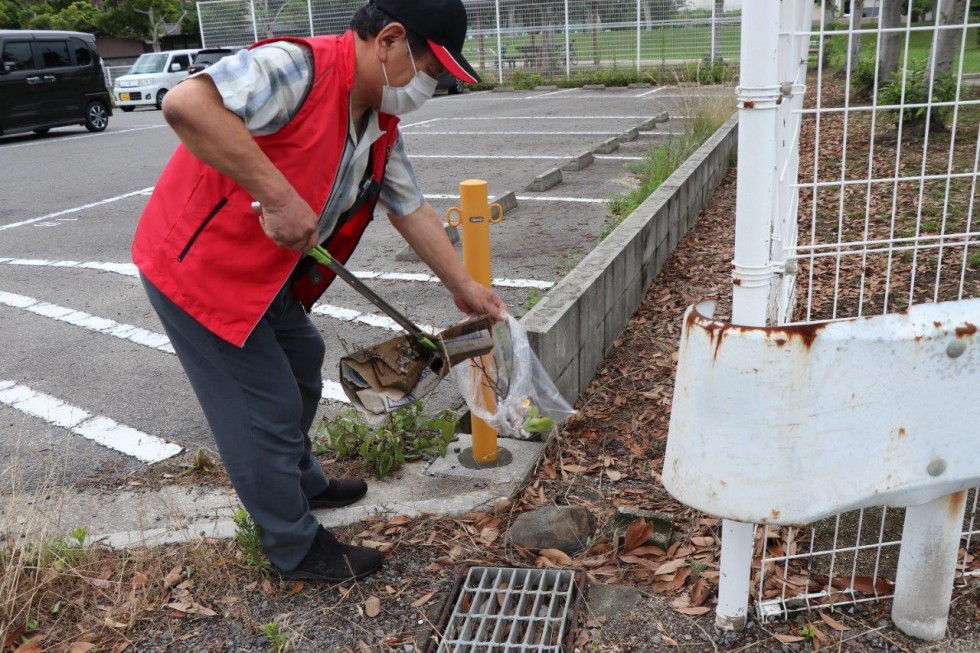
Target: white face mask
{"x": 399, "y": 100}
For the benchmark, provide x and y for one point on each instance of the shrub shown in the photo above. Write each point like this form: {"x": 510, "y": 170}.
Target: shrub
{"x": 911, "y": 85}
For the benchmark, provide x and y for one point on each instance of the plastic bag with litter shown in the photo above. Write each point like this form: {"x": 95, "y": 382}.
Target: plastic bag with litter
{"x": 515, "y": 395}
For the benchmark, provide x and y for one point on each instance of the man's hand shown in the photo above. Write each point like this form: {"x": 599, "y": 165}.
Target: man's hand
{"x": 473, "y": 298}
{"x": 291, "y": 224}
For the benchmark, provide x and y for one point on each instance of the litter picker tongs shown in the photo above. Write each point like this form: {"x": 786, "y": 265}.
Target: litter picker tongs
{"x": 321, "y": 255}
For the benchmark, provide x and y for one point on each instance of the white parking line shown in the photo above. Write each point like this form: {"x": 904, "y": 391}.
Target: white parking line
{"x": 130, "y": 270}
{"x": 77, "y": 208}
{"x": 492, "y": 133}
{"x": 98, "y": 428}
{"x": 522, "y": 118}
{"x": 659, "y": 89}
{"x": 522, "y": 157}
{"x": 52, "y": 141}
{"x": 549, "y": 94}
{"x": 527, "y": 198}
{"x": 351, "y": 315}
{"x": 105, "y": 326}
{"x": 82, "y": 319}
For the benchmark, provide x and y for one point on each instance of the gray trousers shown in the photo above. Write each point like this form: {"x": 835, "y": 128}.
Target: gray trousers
{"x": 260, "y": 401}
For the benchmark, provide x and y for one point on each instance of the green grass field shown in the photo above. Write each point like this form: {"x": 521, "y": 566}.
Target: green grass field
{"x": 675, "y": 43}
{"x": 919, "y": 44}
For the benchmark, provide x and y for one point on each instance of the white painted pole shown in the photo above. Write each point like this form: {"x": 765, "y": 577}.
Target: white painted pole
{"x": 568, "y": 49}
{"x": 714, "y": 28}
{"x": 309, "y": 12}
{"x": 754, "y": 214}
{"x": 637, "y": 35}
{"x": 927, "y": 563}
{"x": 255, "y": 27}
{"x": 200, "y": 26}
{"x": 500, "y": 52}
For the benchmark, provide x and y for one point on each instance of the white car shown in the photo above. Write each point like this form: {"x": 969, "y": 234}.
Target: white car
{"x": 153, "y": 74}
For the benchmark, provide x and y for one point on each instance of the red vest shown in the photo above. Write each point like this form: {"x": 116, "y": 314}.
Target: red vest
{"x": 198, "y": 240}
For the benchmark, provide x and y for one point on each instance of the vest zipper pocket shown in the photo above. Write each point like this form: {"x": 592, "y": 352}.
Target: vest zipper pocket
{"x": 200, "y": 228}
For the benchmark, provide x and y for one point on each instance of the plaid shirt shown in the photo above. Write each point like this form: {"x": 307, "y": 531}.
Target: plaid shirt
{"x": 265, "y": 87}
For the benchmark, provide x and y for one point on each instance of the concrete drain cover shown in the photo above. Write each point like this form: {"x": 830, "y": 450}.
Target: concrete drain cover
{"x": 507, "y": 610}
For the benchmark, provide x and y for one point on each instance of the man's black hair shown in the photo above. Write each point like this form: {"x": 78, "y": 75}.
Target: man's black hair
{"x": 368, "y": 21}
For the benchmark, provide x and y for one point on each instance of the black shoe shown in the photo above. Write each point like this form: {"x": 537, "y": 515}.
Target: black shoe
{"x": 329, "y": 560}
{"x": 341, "y": 492}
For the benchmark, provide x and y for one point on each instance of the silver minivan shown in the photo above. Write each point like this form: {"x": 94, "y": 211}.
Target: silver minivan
{"x": 51, "y": 79}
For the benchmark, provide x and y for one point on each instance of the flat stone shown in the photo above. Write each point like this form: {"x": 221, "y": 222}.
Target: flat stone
{"x": 594, "y": 87}
{"x": 567, "y": 528}
{"x": 546, "y": 87}
{"x": 544, "y": 181}
{"x": 606, "y": 146}
{"x": 612, "y": 600}
{"x": 663, "y": 523}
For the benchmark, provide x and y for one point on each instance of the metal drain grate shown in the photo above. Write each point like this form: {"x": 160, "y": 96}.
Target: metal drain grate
{"x": 506, "y": 610}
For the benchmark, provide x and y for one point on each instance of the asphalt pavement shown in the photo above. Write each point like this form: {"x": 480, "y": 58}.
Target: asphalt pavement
{"x": 88, "y": 383}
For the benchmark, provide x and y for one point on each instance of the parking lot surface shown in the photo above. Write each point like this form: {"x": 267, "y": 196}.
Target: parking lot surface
{"x": 88, "y": 383}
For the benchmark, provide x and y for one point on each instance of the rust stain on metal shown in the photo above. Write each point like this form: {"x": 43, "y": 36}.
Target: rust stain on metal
{"x": 717, "y": 331}
{"x": 749, "y": 104}
{"x": 775, "y": 513}
{"x": 956, "y": 503}
{"x": 901, "y": 432}
{"x": 937, "y": 324}
{"x": 737, "y": 281}
{"x": 967, "y": 329}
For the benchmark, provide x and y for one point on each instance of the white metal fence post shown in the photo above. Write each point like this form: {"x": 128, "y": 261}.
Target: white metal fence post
{"x": 255, "y": 26}
{"x": 638, "y": 26}
{"x": 309, "y": 13}
{"x": 500, "y": 51}
{"x": 755, "y": 206}
{"x": 714, "y": 31}
{"x": 200, "y": 24}
{"x": 568, "y": 42}
{"x": 927, "y": 563}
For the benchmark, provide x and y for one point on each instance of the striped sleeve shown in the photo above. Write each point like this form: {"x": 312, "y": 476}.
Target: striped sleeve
{"x": 265, "y": 86}
{"x": 400, "y": 191}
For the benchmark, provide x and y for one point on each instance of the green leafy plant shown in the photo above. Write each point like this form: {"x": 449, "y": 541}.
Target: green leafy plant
{"x": 201, "y": 463}
{"x": 247, "y": 536}
{"x": 863, "y": 78}
{"x": 533, "y": 297}
{"x": 404, "y": 435}
{"x": 909, "y": 86}
{"x": 973, "y": 260}
{"x": 807, "y": 631}
{"x": 278, "y": 638}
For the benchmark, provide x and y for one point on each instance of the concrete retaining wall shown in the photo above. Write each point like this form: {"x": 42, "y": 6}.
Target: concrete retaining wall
{"x": 573, "y": 327}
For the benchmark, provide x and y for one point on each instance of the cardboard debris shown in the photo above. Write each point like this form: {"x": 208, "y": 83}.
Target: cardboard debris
{"x": 400, "y": 371}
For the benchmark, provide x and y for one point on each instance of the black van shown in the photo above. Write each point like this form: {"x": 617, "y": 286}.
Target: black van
{"x": 51, "y": 79}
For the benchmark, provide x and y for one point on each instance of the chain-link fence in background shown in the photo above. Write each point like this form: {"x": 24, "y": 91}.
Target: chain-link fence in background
{"x": 551, "y": 39}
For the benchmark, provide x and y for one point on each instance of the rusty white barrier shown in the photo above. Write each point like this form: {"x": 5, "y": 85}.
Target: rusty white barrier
{"x": 757, "y": 409}
{"x": 858, "y": 172}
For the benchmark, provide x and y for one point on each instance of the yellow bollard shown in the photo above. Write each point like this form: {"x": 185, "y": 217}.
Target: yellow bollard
{"x": 475, "y": 216}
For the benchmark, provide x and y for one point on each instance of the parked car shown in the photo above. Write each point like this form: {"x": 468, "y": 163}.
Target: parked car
{"x": 208, "y": 57}
{"x": 153, "y": 74}
{"x": 51, "y": 79}
{"x": 452, "y": 85}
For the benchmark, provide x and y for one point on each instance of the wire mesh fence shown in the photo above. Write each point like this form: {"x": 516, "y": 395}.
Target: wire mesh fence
{"x": 877, "y": 197}
{"x": 507, "y": 38}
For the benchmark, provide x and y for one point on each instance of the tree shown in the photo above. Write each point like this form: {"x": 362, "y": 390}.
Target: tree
{"x": 946, "y": 42}
{"x": 891, "y": 42}
{"x": 147, "y": 20}
{"x": 857, "y": 13}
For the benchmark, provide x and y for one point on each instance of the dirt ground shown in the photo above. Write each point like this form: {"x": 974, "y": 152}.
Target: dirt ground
{"x": 209, "y": 597}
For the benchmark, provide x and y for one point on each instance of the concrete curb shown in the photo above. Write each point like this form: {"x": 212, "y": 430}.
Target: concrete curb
{"x": 574, "y": 326}
{"x": 629, "y": 135}
{"x": 594, "y": 87}
{"x": 579, "y": 161}
{"x": 544, "y": 181}
{"x": 507, "y": 201}
{"x": 606, "y": 147}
